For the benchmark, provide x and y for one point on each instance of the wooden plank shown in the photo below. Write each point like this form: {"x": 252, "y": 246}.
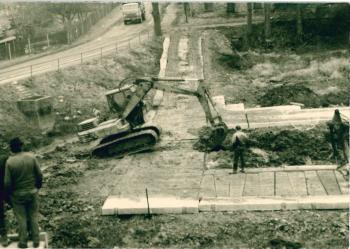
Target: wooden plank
{"x": 313, "y": 183}
{"x": 283, "y": 185}
{"x": 237, "y": 185}
{"x": 207, "y": 188}
{"x": 297, "y": 180}
{"x": 329, "y": 182}
{"x": 343, "y": 184}
{"x": 267, "y": 184}
{"x": 252, "y": 185}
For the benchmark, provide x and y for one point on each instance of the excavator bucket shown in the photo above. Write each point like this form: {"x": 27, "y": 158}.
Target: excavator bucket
{"x": 212, "y": 138}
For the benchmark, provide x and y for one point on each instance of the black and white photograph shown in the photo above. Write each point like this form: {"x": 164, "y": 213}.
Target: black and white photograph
{"x": 174, "y": 124}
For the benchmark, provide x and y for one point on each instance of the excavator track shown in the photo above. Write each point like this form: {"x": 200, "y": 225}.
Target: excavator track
{"x": 126, "y": 143}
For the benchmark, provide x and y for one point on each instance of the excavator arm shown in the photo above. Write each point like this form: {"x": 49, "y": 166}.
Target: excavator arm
{"x": 126, "y": 101}
{"x": 144, "y": 85}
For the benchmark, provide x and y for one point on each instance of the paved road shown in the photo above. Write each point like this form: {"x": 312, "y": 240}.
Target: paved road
{"x": 119, "y": 36}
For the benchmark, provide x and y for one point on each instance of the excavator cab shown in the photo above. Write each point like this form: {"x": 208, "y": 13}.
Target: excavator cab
{"x": 120, "y": 98}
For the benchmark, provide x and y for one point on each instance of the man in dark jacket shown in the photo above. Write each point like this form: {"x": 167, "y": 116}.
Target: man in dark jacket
{"x": 23, "y": 179}
{"x": 3, "y": 231}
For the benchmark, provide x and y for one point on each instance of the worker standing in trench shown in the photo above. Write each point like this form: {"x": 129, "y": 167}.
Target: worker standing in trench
{"x": 339, "y": 136}
{"x": 239, "y": 145}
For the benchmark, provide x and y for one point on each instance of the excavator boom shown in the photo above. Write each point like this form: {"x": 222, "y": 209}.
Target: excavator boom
{"x": 127, "y": 103}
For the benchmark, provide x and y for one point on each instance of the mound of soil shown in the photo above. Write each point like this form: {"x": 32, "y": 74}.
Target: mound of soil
{"x": 293, "y": 147}
{"x": 286, "y": 93}
{"x": 280, "y": 146}
{"x": 335, "y": 98}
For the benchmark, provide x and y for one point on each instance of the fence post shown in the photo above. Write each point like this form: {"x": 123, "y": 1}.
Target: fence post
{"x": 58, "y": 64}
{"x": 48, "y": 40}
{"x": 9, "y": 47}
{"x": 29, "y": 48}
{"x": 31, "y": 71}
{"x": 81, "y": 58}
{"x": 14, "y": 48}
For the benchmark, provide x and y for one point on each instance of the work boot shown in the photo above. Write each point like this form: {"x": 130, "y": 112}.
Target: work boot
{"x": 22, "y": 245}
{"x": 4, "y": 241}
{"x": 234, "y": 171}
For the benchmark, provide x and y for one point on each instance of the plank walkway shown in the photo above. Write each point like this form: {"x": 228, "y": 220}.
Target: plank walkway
{"x": 219, "y": 183}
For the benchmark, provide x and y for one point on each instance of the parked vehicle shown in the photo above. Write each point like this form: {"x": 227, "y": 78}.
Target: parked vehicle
{"x": 133, "y": 12}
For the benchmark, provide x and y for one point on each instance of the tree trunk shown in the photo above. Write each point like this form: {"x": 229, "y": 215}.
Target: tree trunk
{"x": 249, "y": 21}
{"x": 186, "y": 10}
{"x": 230, "y": 8}
{"x": 299, "y": 22}
{"x": 156, "y": 19}
{"x": 208, "y": 7}
{"x": 267, "y": 13}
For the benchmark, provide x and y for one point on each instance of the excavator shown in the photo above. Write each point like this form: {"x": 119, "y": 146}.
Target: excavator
{"x": 128, "y": 133}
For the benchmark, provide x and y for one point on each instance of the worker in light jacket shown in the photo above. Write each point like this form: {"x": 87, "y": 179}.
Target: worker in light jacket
{"x": 239, "y": 145}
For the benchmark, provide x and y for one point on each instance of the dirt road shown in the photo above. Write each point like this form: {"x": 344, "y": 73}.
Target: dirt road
{"x": 119, "y": 34}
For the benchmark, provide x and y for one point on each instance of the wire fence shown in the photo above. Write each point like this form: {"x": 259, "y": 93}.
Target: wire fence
{"x": 75, "y": 59}
{"x": 38, "y": 44}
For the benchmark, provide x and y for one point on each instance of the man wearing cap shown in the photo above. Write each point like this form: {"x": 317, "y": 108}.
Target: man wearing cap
{"x": 23, "y": 179}
{"x": 239, "y": 145}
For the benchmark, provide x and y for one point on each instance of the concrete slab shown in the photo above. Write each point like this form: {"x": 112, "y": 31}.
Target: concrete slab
{"x": 237, "y": 185}
{"x": 293, "y": 168}
{"x": 283, "y": 185}
{"x": 267, "y": 184}
{"x": 343, "y": 184}
{"x": 222, "y": 185}
{"x": 298, "y": 183}
{"x": 165, "y": 205}
{"x": 252, "y": 185}
{"x": 329, "y": 182}
{"x": 313, "y": 183}
{"x": 207, "y": 187}
{"x": 273, "y": 203}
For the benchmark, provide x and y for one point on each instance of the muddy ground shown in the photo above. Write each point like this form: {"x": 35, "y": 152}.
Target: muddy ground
{"x": 76, "y": 186}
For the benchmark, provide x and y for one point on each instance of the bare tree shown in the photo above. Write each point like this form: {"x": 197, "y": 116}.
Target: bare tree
{"x": 299, "y": 22}
{"x": 208, "y": 7}
{"x": 156, "y": 19}
{"x": 29, "y": 20}
{"x": 230, "y": 8}
{"x": 267, "y": 14}
{"x": 249, "y": 21}
{"x": 186, "y": 10}
{"x": 66, "y": 13}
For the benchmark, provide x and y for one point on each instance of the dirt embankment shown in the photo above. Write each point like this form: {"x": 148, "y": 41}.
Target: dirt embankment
{"x": 76, "y": 91}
